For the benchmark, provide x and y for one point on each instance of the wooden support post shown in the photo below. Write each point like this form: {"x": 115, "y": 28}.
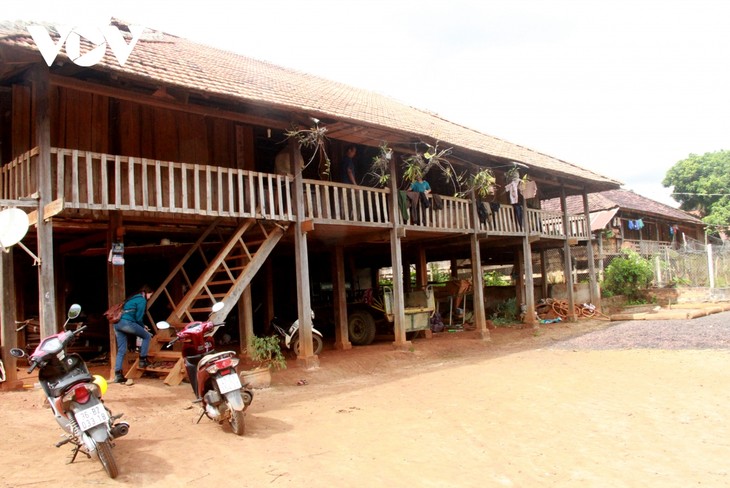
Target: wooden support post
{"x": 116, "y": 285}
{"x": 269, "y": 312}
{"x": 529, "y": 280}
{"x": 46, "y": 284}
{"x": 396, "y": 262}
{"x": 519, "y": 283}
{"x": 342, "y": 338}
{"x": 568, "y": 265}
{"x": 245, "y": 325}
{"x": 544, "y": 274}
{"x": 8, "y": 335}
{"x": 477, "y": 277}
{"x": 529, "y": 318}
{"x": 480, "y": 316}
{"x": 421, "y": 269}
{"x": 306, "y": 359}
{"x": 595, "y": 293}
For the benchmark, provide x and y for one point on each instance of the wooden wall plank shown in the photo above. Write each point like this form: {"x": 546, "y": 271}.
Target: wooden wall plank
{"x": 22, "y": 133}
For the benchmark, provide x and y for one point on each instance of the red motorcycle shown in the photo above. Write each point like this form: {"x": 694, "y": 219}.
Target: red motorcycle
{"x": 213, "y": 375}
{"x": 75, "y": 396}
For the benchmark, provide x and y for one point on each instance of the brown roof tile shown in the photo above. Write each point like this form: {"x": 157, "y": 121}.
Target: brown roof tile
{"x": 626, "y": 200}
{"x": 176, "y": 61}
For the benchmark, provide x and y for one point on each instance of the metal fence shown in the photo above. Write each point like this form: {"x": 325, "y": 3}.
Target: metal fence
{"x": 693, "y": 264}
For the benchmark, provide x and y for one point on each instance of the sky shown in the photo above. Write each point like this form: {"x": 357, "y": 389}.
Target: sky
{"x": 623, "y": 88}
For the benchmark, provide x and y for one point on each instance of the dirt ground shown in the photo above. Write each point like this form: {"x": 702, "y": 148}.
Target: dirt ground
{"x": 454, "y": 411}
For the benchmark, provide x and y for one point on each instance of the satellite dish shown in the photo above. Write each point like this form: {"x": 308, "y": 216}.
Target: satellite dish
{"x": 13, "y": 226}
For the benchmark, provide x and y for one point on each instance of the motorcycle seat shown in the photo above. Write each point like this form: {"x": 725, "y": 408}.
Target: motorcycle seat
{"x": 58, "y": 388}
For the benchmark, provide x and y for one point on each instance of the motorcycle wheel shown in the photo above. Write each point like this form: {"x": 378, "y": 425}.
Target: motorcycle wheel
{"x": 104, "y": 450}
{"x": 316, "y": 345}
{"x": 238, "y": 424}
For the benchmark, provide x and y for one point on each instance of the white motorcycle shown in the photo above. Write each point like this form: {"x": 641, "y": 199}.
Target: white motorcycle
{"x": 290, "y": 336}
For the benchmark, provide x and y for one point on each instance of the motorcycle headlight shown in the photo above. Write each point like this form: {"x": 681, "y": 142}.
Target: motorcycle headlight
{"x": 52, "y": 345}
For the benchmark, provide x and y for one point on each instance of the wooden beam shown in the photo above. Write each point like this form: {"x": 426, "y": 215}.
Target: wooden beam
{"x": 8, "y": 335}
{"x": 568, "y": 265}
{"x": 83, "y": 243}
{"x": 399, "y": 316}
{"x": 306, "y": 359}
{"x": 46, "y": 276}
{"x": 169, "y": 104}
{"x": 342, "y": 337}
{"x": 477, "y": 277}
{"x": 116, "y": 285}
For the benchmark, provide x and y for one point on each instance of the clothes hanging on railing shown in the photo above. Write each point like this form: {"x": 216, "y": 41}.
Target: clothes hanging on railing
{"x": 513, "y": 189}
{"x": 418, "y": 202}
{"x": 529, "y": 189}
{"x": 518, "y": 214}
{"x": 403, "y": 205}
{"x": 482, "y": 212}
{"x": 635, "y": 224}
{"x": 438, "y": 203}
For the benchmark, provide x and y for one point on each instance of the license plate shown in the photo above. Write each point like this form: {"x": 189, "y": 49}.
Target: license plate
{"x": 91, "y": 416}
{"x": 229, "y": 382}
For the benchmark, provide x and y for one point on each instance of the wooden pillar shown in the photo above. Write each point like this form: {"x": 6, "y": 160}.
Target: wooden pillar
{"x": 477, "y": 277}
{"x": 568, "y": 265}
{"x": 8, "y": 335}
{"x": 342, "y": 335}
{"x": 595, "y": 293}
{"x": 396, "y": 263}
{"x": 529, "y": 282}
{"x": 519, "y": 288}
{"x": 46, "y": 283}
{"x": 454, "y": 267}
{"x": 544, "y": 273}
{"x": 269, "y": 312}
{"x": 421, "y": 269}
{"x": 245, "y": 322}
{"x": 406, "y": 275}
{"x": 116, "y": 285}
{"x": 306, "y": 359}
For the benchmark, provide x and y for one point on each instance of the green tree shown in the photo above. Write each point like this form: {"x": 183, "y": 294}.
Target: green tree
{"x": 628, "y": 275}
{"x": 702, "y": 183}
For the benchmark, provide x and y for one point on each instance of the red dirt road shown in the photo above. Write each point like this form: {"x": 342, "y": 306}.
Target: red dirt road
{"x": 453, "y": 412}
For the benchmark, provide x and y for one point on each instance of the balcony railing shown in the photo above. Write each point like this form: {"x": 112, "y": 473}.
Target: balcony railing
{"x": 97, "y": 181}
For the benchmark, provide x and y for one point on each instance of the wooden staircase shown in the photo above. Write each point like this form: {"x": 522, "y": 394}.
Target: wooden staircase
{"x": 222, "y": 277}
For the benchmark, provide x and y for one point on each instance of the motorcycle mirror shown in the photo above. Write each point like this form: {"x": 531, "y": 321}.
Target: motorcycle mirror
{"x": 17, "y": 353}
{"x": 74, "y": 311}
{"x": 217, "y": 307}
{"x": 162, "y": 325}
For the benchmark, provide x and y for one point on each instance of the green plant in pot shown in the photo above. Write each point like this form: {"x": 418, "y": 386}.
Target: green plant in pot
{"x": 266, "y": 353}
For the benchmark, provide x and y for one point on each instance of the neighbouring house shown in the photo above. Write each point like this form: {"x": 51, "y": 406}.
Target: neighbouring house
{"x": 623, "y": 219}
{"x": 163, "y": 171}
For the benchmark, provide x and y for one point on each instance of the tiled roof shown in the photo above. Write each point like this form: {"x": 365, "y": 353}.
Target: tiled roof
{"x": 626, "y": 200}
{"x": 174, "y": 61}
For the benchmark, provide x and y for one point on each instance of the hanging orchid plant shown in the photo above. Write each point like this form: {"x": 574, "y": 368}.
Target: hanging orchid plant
{"x": 419, "y": 164}
{"x": 313, "y": 138}
{"x": 380, "y": 167}
{"x": 483, "y": 183}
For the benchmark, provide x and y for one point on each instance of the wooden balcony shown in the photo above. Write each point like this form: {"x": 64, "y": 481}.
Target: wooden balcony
{"x": 95, "y": 181}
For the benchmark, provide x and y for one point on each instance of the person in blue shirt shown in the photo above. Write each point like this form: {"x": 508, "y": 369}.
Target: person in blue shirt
{"x": 421, "y": 186}
{"x": 418, "y": 207}
{"x": 132, "y": 324}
